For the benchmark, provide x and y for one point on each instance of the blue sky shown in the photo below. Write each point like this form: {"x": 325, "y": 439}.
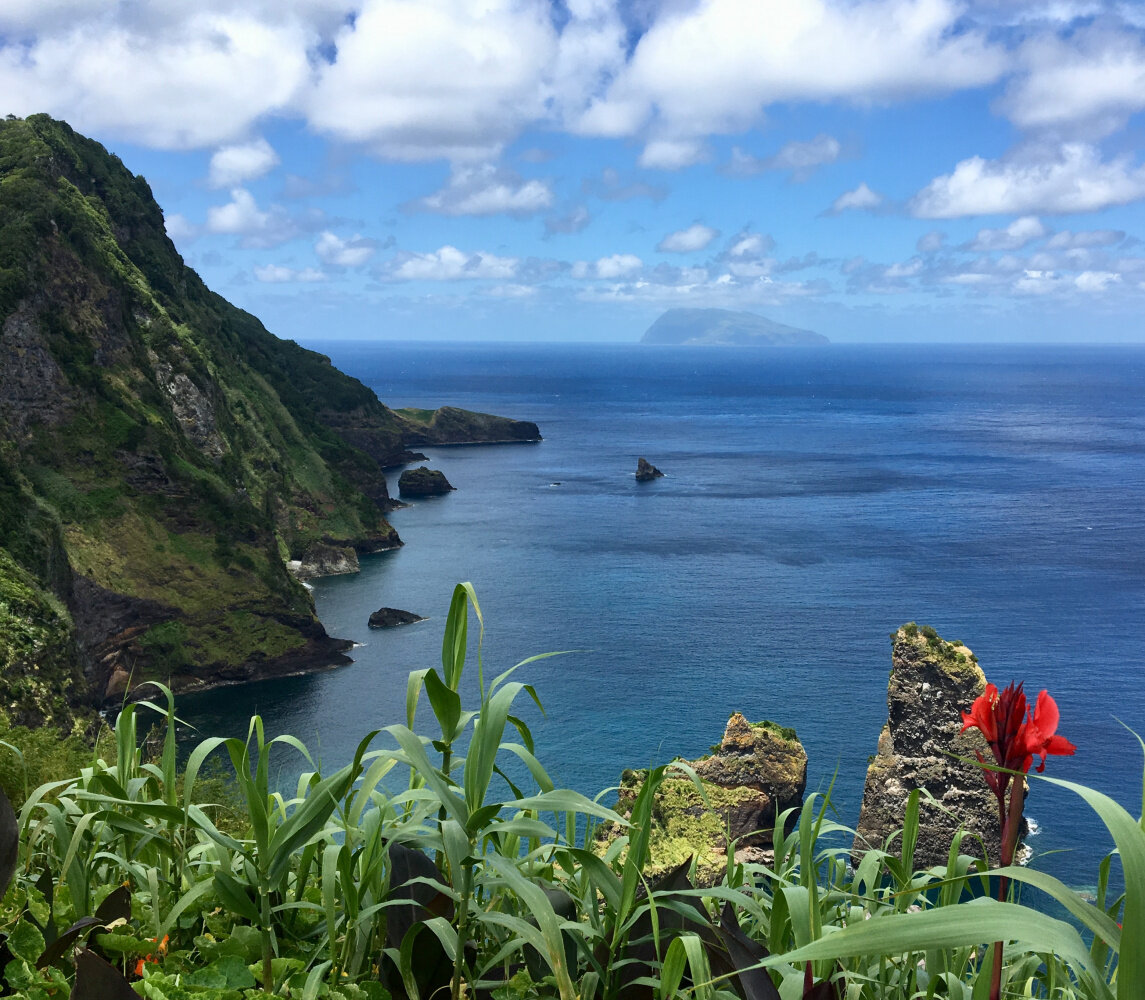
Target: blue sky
{"x": 527, "y": 170}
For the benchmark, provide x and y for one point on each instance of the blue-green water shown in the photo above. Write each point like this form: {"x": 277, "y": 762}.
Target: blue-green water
{"x": 814, "y": 500}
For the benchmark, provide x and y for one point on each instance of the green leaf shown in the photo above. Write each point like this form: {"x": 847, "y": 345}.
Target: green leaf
{"x": 455, "y": 640}
{"x": 25, "y": 941}
{"x": 1130, "y": 840}
{"x": 234, "y": 896}
{"x": 979, "y": 922}
{"x": 321, "y": 800}
{"x": 446, "y": 704}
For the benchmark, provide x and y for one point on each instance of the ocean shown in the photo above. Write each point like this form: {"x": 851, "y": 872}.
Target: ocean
{"x": 814, "y": 499}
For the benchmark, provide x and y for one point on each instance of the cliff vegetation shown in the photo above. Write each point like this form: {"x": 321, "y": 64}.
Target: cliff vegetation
{"x": 162, "y": 455}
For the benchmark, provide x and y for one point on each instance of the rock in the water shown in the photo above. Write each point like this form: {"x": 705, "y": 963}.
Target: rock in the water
{"x": 932, "y": 683}
{"x": 323, "y": 559}
{"x": 423, "y": 482}
{"x": 392, "y": 617}
{"x": 645, "y": 470}
{"x": 756, "y": 772}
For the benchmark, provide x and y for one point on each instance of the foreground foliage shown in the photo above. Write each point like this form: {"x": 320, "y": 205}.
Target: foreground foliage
{"x": 450, "y": 864}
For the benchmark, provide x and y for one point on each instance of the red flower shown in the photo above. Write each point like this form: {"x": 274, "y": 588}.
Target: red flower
{"x": 1015, "y": 735}
{"x": 1041, "y": 737}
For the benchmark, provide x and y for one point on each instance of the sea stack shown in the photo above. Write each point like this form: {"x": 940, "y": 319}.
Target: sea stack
{"x": 932, "y": 683}
{"x": 423, "y": 482}
{"x": 392, "y": 618}
{"x": 645, "y": 471}
{"x": 758, "y": 770}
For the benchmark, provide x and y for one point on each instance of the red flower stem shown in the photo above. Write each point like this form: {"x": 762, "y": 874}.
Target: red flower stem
{"x": 1011, "y": 824}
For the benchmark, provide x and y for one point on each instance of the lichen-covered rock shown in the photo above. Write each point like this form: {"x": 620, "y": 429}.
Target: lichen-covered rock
{"x": 645, "y": 471}
{"x": 423, "y": 482}
{"x": 931, "y": 683}
{"x": 757, "y": 771}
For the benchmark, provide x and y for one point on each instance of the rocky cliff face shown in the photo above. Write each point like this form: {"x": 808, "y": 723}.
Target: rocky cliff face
{"x": 757, "y": 771}
{"x": 162, "y": 456}
{"x": 932, "y": 682}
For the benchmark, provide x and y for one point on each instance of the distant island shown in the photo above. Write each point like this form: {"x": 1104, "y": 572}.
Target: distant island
{"x": 722, "y": 327}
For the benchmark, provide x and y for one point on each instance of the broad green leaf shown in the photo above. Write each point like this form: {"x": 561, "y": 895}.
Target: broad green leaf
{"x": 982, "y": 921}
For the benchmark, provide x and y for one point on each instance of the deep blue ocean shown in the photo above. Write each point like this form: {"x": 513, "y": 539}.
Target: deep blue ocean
{"x": 814, "y": 500}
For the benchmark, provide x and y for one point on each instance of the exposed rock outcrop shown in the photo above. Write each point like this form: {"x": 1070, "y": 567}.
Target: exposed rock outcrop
{"x": 423, "y": 482}
{"x": 645, "y": 471}
{"x": 756, "y": 772}
{"x": 393, "y": 617}
{"x": 323, "y": 559}
{"x": 932, "y": 682}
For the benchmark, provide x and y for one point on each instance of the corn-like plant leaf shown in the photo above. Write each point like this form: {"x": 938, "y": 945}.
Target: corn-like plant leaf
{"x": 1095, "y": 919}
{"x": 456, "y": 626}
{"x": 541, "y": 909}
{"x": 235, "y": 896}
{"x": 1129, "y": 837}
{"x": 672, "y": 969}
{"x": 446, "y": 704}
{"x": 321, "y": 800}
{"x": 415, "y": 753}
{"x": 980, "y": 922}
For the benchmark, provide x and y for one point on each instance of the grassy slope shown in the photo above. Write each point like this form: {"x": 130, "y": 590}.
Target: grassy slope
{"x": 120, "y": 350}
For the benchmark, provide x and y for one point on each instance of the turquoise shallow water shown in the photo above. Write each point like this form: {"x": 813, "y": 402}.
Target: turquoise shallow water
{"x": 815, "y": 499}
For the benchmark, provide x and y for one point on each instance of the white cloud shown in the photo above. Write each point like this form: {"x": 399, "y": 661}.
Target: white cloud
{"x": 573, "y": 221}
{"x": 618, "y": 265}
{"x": 234, "y": 165}
{"x": 930, "y": 242}
{"x": 241, "y": 215}
{"x": 1015, "y": 236}
{"x": 1036, "y": 282}
{"x": 905, "y": 269}
{"x": 180, "y": 229}
{"x": 1072, "y": 179}
{"x": 449, "y": 264}
{"x": 695, "y": 237}
{"x": 277, "y": 274}
{"x": 259, "y": 228}
{"x": 337, "y": 252}
{"x": 1066, "y": 240}
{"x": 747, "y": 244}
{"x": 801, "y": 158}
{"x": 437, "y": 78}
{"x": 172, "y": 79}
{"x": 1090, "y": 80}
{"x": 861, "y": 197}
{"x": 1096, "y": 281}
{"x": 487, "y": 190}
{"x": 712, "y": 67}
{"x": 672, "y": 154}
{"x": 512, "y": 291}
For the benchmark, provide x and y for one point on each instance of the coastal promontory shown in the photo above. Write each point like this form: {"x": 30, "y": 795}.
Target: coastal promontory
{"x": 724, "y": 327}
{"x": 163, "y": 457}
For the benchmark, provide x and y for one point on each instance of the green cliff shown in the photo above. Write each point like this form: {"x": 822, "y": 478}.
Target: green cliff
{"x": 162, "y": 456}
